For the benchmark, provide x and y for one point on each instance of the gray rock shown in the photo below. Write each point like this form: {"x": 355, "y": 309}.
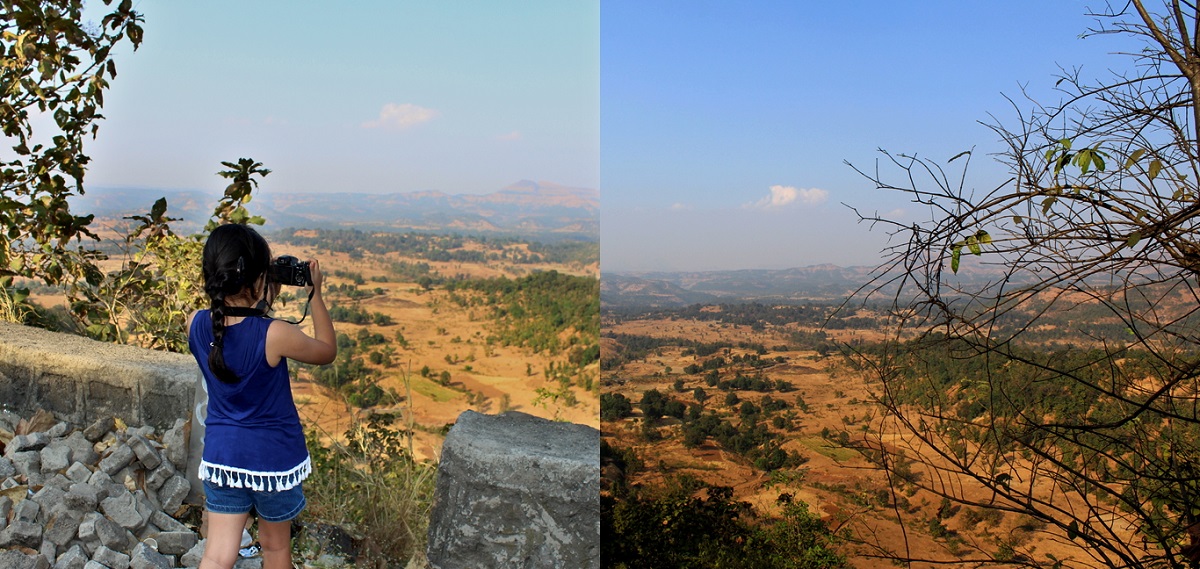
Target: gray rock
{"x": 82, "y": 449}
{"x": 28, "y": 462}
{"x": 111, "y": 559}
{"x": 48, "y": 550}
{"x": 27, "y": 511}
{"x": 144, "y": 431}
{"x": 119, "y": 457}
{"x": 516, "y": 490}
{"x": 6, "y": 507}
{"x": 173, "y": 492}
{"x": 9, "y": 420}
{"x": 112, "y": 535}
{"x": 19, "y": 532}
{"x": 147, "y": 531}
{"x": 155, "y": 479}
{"x": 25, "y": 443}
{"x": 123, "y": 510}
{"x": 56, "y": 457}
{"x": 145, "y": 507}
{"x": 98, "y": 429}
{"x": 59, "y": 481}
{"x": 94, "y": 565}
{"x": 73, "y": 558}
{"x": 12, "y": 559}
{"x": 79, "y": 472}
{"x": 176, "y": 442}
{"x": 145, "y": 451}
{"x": 166, "y": 522}
{"x": 176, "y": 542}
{"x": 107, "y": 486}
{"x": 87, "y": 527}
{"x": 51, "y": 499}
{"x": 83, "y": 497}
{"x": 145, "y": 557}
{"x": 59, "y": 430}
{"x": 194, "y": 555}
{"x": 61, "y": 528}
{"x": 6, "y": 468}
{"x": 257, "y": 563}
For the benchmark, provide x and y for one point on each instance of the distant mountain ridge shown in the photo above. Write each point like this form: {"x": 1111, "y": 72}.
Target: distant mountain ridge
{"x": 667, "y": 289}
{"x": 526, "y": 208}
{"x": 660, "y": 289}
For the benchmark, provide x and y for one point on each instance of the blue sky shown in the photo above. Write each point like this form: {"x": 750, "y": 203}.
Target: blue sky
{"x": 725, "y": 125}
{"x": 371, "y": 96}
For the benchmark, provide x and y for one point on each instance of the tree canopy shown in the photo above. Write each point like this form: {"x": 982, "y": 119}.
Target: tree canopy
{"x": 57, "y": 65}
{"x": 1100, "y": 213}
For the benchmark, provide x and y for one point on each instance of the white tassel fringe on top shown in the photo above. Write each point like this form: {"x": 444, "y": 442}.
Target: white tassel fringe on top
{"x": 254, "y": 480}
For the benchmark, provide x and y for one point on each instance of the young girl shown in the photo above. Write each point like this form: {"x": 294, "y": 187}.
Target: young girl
{"x": 254, "y": 452}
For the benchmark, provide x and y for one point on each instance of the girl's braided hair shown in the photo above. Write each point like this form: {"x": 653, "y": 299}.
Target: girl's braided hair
{"x": 235, "y": 256}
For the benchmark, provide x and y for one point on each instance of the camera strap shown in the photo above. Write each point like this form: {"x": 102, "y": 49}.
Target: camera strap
{"x": 244, "y": 311}
{"x": 261, "y": 308}
{"x": 306, "y": 305}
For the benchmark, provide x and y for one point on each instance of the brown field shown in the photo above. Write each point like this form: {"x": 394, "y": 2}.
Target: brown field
{"x": 434, "y": 329}
{"x": 836, "y": 482}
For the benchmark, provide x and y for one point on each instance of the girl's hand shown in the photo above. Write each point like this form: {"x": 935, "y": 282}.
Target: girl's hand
{"x": 314, "y": 272}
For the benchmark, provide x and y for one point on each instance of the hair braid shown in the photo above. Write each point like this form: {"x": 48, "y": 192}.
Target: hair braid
{"x": 216, "y": 356}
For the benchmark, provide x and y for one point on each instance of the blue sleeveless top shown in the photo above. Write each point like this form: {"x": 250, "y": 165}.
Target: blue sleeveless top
{"x": 252, "y": 436}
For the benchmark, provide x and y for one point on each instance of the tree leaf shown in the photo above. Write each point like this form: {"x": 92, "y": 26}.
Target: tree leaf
{"x": 983, "y": 237}
{"x": 1133, "y": 239}
{"x": 1133, "y": 158}
{"x": 1155, "y": 168}
{"x": 973, "y": 245}
{"x": 1047, "y": 204}
{"x": 955, "y": 257}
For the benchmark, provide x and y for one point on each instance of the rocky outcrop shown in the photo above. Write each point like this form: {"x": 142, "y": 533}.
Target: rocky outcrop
{"x": 515, "y": 490}
{"x": 101, "y": 496}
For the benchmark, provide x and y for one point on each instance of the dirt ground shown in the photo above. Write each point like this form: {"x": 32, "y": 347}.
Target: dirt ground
{"x": 836, "y": 482}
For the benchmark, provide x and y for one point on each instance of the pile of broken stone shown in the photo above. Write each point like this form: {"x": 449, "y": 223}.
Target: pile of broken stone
{"x": 102, "y": 497}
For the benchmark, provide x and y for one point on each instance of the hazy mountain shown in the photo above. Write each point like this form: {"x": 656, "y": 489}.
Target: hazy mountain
{"x": 815, "y": 282}
{"x": 624, "y": 290}
{"x": 533, "y": 209}
{"x": 683, "y": 288}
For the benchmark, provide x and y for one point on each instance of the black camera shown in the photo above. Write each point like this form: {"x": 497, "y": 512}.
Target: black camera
{"x": 288, "y": 270}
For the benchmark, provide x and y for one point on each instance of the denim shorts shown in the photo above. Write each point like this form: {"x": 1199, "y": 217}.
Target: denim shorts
{"x": 271, "y": 506}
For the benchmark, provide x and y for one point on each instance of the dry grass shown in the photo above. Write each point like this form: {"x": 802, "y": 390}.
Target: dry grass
{"x": 368, "y": 483}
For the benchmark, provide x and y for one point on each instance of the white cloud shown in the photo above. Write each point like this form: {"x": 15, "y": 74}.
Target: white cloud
{"x": 784, "y": 195}
{"x": 402, "y": 116}
{"x": 514, "y": 135}
{"x": 680, "y": 206}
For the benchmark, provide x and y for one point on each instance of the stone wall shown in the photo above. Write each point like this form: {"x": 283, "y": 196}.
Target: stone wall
{"x": 82, "y": 380}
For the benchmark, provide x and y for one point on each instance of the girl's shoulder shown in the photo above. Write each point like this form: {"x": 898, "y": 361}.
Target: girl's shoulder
{"x": 191, "y": 318}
